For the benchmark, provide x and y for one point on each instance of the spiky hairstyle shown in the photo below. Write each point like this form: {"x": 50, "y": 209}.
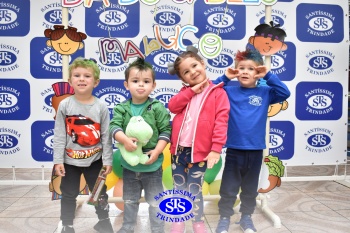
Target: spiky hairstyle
{"x": 141, "y": 65}
{"x": 249, "y": 54}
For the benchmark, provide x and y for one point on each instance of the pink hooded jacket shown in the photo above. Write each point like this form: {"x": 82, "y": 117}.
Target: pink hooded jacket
{"x": 210, "y": 131}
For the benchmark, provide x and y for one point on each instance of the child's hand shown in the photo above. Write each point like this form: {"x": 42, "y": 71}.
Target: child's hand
{"x": 261, "y": 71}
{"x": 130, "y": 144}
{"x": 60, "y": 171}
{"x": 198, "y": 88}
{"x": 108, "y": 170}
{"x": 231, "y": 73}
{"x": 153, "y": 156}
{"x": 212, "y": 159}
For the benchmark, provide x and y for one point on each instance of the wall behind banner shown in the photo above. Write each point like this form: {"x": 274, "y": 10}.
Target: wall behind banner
{"x": 311, "y": 130}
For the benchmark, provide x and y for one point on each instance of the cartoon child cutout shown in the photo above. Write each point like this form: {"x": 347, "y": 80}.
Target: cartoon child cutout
{"x": 62, "y": 90}
{"x": 65, "y": 41}
{"x": 274, "y": 109}
{"x": 268, "y": 39}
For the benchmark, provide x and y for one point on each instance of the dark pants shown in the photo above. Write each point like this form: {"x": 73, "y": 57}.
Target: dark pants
{"x": 70, "y": 190}
{"x": 189, "y": 176}
{"x": 242, "y": 169}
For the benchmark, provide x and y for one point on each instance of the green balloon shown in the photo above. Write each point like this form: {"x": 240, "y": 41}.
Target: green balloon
{"x": 210, "y": 174}
{"x": 117, "y": 167}
{"x": 167, "y": 178}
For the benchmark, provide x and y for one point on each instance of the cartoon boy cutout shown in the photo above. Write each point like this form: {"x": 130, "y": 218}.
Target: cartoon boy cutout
{"x": 274, "y": 109}
{"x": 65, "y": 41}
{"x": 268, "y": 39}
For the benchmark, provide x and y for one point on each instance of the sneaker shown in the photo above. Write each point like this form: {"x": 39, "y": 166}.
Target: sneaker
{"x": 178, "y": 227}
{"x": 246, "y": 224}
{"x": 223, "y": 225}
{"x": 67, "y": 229}
{"x": 104, "y": 226}
{"x": 199, "y": 227}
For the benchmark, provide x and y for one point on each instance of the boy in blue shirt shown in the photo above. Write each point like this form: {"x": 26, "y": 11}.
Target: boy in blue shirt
{"x": 249, "y": 105}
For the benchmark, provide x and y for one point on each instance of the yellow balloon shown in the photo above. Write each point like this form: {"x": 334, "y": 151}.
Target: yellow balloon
{"x": 111, "y": 180}
{"x": 214, "y": 187}
{"x": 205, "y": 188}
{"x": 167, "y": 157}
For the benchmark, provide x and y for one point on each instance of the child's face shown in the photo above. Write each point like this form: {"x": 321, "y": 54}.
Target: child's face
{"x": 246, "y": 73}
{"x": 83, "y": 81}
{"x": 140, "y": 84}
{"x": 192, "y": 71}
{"x": 266, "y": 46}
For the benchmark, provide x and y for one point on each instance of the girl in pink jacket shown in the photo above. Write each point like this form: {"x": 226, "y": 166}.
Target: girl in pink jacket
{"x": 199, "y": 130}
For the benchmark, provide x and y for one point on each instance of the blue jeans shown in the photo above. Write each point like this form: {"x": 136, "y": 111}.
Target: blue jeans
{"x": 242, "y": 169}
{"x": 189, "y": 176}
{"x": 133, "y": 183}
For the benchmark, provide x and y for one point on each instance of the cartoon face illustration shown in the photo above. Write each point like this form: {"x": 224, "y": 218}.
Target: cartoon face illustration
{"x": 268, "y": 39}
{"x": 274, "y": 109}
{"x": 83, "y": 130}
{"x": 65, "y": 41}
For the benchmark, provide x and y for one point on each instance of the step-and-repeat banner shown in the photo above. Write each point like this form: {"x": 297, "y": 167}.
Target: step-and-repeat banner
{"x": 309, "y": 128}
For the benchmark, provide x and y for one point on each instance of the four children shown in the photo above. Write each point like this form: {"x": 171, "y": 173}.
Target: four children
{"x": 207, "y": 117}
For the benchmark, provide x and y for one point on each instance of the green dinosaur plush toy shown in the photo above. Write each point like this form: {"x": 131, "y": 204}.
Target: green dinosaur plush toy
{"x": 137, "y": 128}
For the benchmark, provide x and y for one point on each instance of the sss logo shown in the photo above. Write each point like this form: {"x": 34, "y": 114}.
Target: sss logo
{"x": 320, "y": 62}
{"x": 167, "y": 18}
{"x": 53, "y": 58}
{"x": 7, "y": 100}
{"x": 112, "y": 99}
{"x": 320, "y": 101}
{"x": 319, "y": 140}
{"x": 7, "y": 16}
{"x": 221, "y": 61}
{"x": 175, "y": 206}
{"x": 162, "y": 59}
{"x": 7, "y": 58}
{"x": 220, "y": 20}
{"x": 55, "y": 17}
{"x": 7, "y": 141}
{"x": 276, "y": 20}
{"x": 275, "y": 140}
{"x": 320, "y": 22}
{"x": 277, "y": 61}
{"x": 113, "y": 17}
{"x": 114, "y": 59}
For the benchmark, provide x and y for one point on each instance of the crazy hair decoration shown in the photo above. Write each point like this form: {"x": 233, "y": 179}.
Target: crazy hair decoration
{"x": 249, "y": 55}
{"x": 171, "y": 65}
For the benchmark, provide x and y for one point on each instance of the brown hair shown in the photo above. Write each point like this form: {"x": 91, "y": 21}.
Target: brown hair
{"x": 182, "y": 57}
{"x": 59, "y": 31}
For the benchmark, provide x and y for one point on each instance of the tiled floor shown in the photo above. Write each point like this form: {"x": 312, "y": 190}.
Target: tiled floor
{"x": 301, "y": 206}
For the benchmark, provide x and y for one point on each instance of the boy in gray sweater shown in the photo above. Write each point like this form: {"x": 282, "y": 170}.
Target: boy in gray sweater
{"x": 82, "y": 143}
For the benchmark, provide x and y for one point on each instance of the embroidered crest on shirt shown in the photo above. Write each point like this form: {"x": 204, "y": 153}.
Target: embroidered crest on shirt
{"x": 255, "y": 100}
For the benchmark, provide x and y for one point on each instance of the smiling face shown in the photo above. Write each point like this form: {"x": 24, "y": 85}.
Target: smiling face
{"x": 247, "y": 72}
{"x": 83, "y": 81}
{"x": 192, "y": 71}
{"x": 65, "y": 46}
{"x": 267, "y": 46}
{"x": 140, "y": 84}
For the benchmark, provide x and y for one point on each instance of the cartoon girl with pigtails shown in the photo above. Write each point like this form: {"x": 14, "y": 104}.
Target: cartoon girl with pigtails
{"x": 65, "y": 41}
